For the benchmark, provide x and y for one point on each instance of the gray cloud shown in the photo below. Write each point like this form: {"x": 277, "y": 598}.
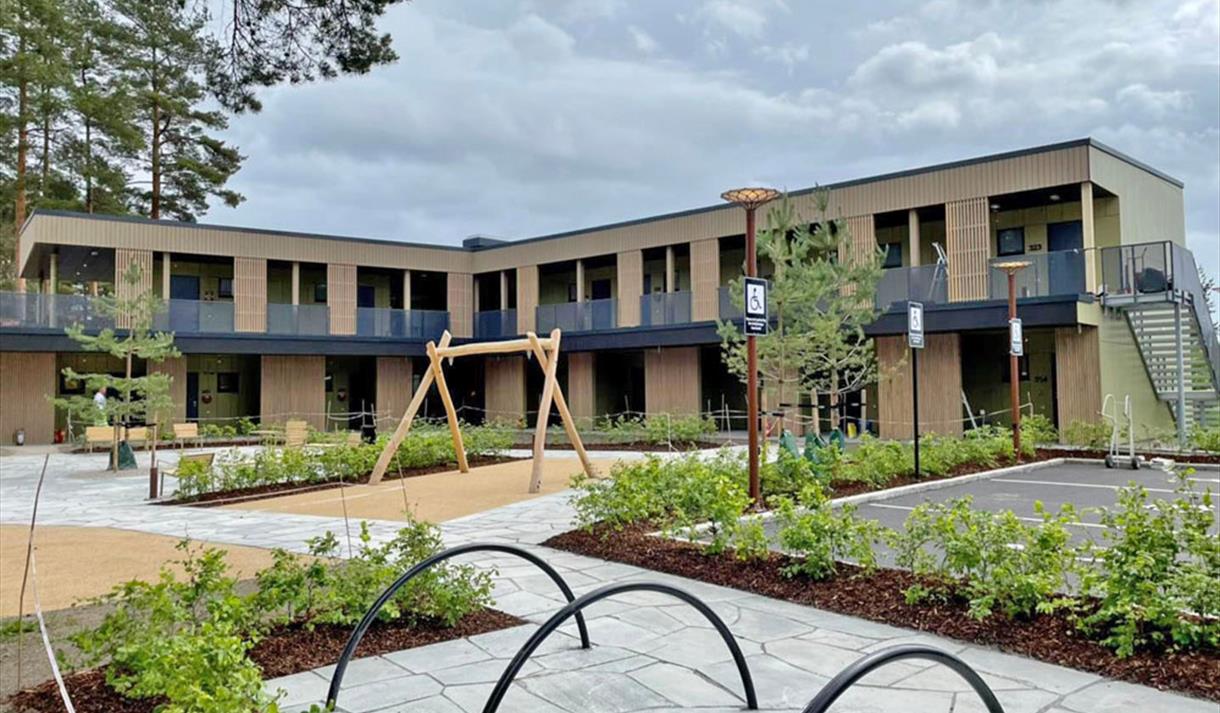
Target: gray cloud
{"x": 526, "y": 117}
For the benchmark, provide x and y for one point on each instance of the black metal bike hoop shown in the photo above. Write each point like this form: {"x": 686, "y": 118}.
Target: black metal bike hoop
{"x": 575, "y": 607}
{"x": 854, "y": 672}
{"x": 370, "y": 616}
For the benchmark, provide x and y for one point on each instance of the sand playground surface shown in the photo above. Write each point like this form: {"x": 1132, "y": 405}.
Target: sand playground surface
{"x": 433, "y": 498}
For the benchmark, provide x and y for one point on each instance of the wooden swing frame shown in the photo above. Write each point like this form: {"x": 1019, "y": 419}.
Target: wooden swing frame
{"x": 547, "y": 353}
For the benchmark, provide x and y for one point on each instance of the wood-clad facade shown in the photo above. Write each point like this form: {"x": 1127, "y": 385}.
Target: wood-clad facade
{"x": 671, "y": 381}
{"x": 940, "y": 393}
{"x": 394, "y": 386}
{"x": 25, "y": 380}
{"x": 293, "y": 387}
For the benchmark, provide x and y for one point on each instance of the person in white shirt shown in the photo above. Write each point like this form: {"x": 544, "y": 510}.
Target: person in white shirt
{"x": 99, "y": 400}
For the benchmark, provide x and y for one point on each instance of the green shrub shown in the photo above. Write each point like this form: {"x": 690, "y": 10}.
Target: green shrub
{"x": 681, "y": 430}
{"x": 1206, "y": 439}
{"x": 186, "y": 641}
{"x": 749, "y": 540}
{"x": 818, "y": 536}
{"x": 787, "y": 475}
{"x": 1036, "y": 429}
{"x": 1155, "y": 576}
{"x": 1088, "y": 434}
{"x": 874, "y": 461}
{"x": 994, "y": 560}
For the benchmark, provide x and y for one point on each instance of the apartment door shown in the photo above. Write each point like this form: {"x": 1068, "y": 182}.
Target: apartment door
{"x": 1065, "y": 242}
{"x": 192, "y": 395}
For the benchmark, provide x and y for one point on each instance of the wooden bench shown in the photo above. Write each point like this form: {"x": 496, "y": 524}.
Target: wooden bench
{"x": 137, "y": 434}
{"x": 98, "y": 436}
{"x": 296, "y": 433}
{"x": 205, "y": 458}
{"x": 184, "y": 432}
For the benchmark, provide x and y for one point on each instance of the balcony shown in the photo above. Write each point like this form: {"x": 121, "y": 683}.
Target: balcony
{"x": 401, "y": 324}
{"x": 195, "y": 317}
{"x": 1054, "y": 273}
{"x": 729, "y": 309}
{"x": 299, "y": 320}
{"x": 34, "y": 310}
{"x": 928, "y": 284}
{"x": 577, "y": 316}
{"x": 496, "y": 323}
{"x": 662, "y": 308}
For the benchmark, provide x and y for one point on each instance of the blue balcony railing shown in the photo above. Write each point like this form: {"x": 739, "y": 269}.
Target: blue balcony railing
{"x": 300, "y": 320}
{"x": 577, "y": 316}
{"x": 928, "y": 284}
{"x": 401, "y": 324}
{"x": 663, "y": 308}
{"x": 492, "y": 324}
{"x": 729, "y": 309}
{"x": 195, "y": 317}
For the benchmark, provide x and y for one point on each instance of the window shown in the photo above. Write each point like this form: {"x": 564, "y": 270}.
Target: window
{"x": 226, "y": 288}
{"x": 893, "y": 255}
{"x": 227, "y": 382}
{"x": 1010, "y": 241}
{"x": 319, "y": 293}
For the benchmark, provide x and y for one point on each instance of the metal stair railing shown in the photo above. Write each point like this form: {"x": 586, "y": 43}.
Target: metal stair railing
{"x": 1186, "y": 279}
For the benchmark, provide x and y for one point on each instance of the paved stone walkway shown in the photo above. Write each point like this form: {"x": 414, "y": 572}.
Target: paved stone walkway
{"x": 651, "y": 653}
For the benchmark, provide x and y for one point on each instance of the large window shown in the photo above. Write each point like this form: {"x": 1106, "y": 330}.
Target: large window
{"x": 227, "y": 382}
{"x": 225, "y": 291}
{"x": 1010, "y": 241}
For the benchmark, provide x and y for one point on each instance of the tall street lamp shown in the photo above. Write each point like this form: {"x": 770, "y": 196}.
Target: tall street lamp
{"x": 751, "y": 199}
{"x": 1014, "y": 377}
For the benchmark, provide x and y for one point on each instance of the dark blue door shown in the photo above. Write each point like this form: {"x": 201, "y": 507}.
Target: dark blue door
{"x": 184, "y": 303}
{"x": 1064, "y": 242}
{"x": 192, "y": 395}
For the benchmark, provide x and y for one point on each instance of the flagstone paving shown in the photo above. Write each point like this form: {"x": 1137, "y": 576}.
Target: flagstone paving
{"x": 650, "y": 652}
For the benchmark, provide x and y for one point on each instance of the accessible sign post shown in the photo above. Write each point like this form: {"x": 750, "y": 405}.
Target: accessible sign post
{"x": 915, "y": 340}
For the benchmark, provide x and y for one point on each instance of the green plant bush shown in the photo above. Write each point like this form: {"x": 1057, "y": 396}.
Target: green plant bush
{"x": 1156, "y": 573}
{"x": 1036, "y": 429}
{"x": 818, "y": 535}
{"x": 1206, "y": 439}
{"x": 994, "y": 560}
{"x": 680, "y": 430}
{"x": 1088, "y": 434}
{"x": 188, "y": 640}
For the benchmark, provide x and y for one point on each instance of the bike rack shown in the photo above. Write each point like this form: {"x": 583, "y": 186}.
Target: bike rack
{"x": 575, "y": 607}
{"x": 853, "y": 673}
{"x": 349, "y": 650}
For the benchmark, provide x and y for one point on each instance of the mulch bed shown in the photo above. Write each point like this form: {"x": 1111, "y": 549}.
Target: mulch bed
{"x": 1204, "y": 458}
{"x": 271, "y": 490}
{"x": 287, "y": 650}
{"x": 879, "y": 597}
{"x": 637, "y": 446}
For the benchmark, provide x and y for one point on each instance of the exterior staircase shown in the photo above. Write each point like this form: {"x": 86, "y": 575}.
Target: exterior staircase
{"x": 1157, "y": 287}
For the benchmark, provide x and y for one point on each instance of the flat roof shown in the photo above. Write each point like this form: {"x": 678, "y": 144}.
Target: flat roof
{"x": 487, "y": 245}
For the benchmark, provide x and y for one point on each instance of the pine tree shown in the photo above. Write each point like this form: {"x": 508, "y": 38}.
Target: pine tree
{"x": 140, "y": 398}
{"x": 820, "y": 304}
{"x": 166, "y": 57}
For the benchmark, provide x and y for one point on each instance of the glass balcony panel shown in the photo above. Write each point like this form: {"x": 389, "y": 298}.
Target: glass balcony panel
{"x": 491, "y": 324}
{"x": 729, "y": 310}
{"x": 663, "y": 308}
{"x": 928, "y": 284}
{"x": 1055, "y": 273}
{"x": 1141, "y": 269}
{"x": 577, "y": 316}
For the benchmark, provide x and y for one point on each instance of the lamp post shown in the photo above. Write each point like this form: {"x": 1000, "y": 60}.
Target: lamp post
{"x": 1014, "y": 369}
{"x": 751, "y": 199}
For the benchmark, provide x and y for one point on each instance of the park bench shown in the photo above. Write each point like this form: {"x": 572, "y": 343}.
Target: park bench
{"x": 184, "y": 432}
{"x": 205, "y": 458}
{"x": 98, "y": 436}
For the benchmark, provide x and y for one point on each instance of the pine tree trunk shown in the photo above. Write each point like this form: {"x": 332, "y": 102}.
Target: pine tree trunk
{"x": 154, "y": 210}
{"x": 23, "y": 147}
{"x": 84, "y": 80}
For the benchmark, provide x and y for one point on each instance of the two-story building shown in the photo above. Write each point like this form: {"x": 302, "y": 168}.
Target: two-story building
{"x": 273, "y": 324}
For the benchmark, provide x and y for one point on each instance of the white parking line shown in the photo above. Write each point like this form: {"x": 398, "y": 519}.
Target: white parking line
{"x": 1026, "y": 519}
{"x": 1075, "y": 485}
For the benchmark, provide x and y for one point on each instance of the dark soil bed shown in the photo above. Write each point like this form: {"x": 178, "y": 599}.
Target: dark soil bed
{"x": 1204, "y": 458}
{"x": 636, "y": 446}
{"x": 879, "y": 597}
{"x": 271, "y": 490}
{"x": 287, "y": 650}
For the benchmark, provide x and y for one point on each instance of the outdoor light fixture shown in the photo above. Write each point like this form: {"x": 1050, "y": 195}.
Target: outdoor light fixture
{"x": 1012, "y": 267}
{"x": 995, "y": 206}
{"x": 1054, "y": 196}
{"x": 751, "y": 199}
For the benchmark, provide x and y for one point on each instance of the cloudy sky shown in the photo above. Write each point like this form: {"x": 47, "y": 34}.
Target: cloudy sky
{"x": 515, "y": 118}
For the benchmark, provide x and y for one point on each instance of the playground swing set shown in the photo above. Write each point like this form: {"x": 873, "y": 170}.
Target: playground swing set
{"x": 544, "y": 350}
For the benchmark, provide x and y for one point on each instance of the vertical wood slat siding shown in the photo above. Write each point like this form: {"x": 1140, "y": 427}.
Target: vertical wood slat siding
{"x": 527, "y": 298}
{"x": 123, "y": 260}
{"x": 250, "y": 294}
{"x": 671, "y": 381}
{"x": 293, "y": 387}
{"x": 504, "y": 384}
{"x": 176, "y": 368}
{"x": 967, "y": 244}
{"x": 393, "y": 386}
{"x": 705, "y": 279}
{"x": 460, "y": 288}
{"x": 940, "y": 381}
{"x": 630, "y": 287}
{"x": 863, "y": 244}
{"x": 1077, "y": 374}
{"x": 581, "y": 391}
{"x": 26, "y": 378}
{"x": 341, "y": 298}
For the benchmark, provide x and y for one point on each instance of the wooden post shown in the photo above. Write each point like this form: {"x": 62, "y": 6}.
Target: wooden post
{"x": 451, "y": 414}
{"x": 544, "y": 408}
{"x": 569, "y": 424}
{"x": 404, "y": 426}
